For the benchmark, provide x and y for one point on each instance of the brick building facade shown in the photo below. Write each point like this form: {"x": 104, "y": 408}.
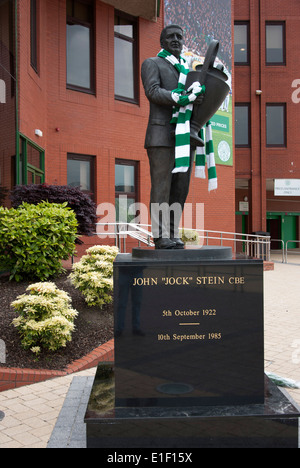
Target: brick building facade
{"x": 267, "y": 118}
{"x": 89, "y": 128}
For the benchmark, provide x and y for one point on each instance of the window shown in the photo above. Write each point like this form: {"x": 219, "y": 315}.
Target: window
{"x": 276, "y": 124}
{"x": 80, "y": 45}
{"x": 126, "y": 69}
{"x": 126, "y": 173}
{"x": 241, "y": 43}
{"x": 32, "y": 162}
{"x": 242, "y": 125}
{"x": 275, "y": 43}
{"x": 81, "y": 173}
{"x": 33, "y": 35}
{"x": 2, "y": 92}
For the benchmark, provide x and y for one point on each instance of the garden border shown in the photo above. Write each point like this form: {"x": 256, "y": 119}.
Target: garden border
{"x": 11, "y": 378}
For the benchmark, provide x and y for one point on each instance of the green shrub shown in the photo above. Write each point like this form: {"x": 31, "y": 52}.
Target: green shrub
{"x": 78, "y": 201}
{"x": 35, "y": 238}
{"x": 93, "y": 275}
{"x": 46, "y": 319}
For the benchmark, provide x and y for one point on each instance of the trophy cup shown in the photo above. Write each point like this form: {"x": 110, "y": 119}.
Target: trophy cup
{"x": 216, "y": 91}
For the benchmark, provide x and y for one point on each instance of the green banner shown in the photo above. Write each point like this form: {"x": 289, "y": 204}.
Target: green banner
{"x": 202, "y": 22}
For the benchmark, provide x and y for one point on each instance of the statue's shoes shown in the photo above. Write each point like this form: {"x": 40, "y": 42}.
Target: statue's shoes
{"x": 163, "y": 243}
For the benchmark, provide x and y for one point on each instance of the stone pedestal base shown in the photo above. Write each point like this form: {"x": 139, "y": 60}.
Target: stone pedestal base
{"x": 273, "y": 424}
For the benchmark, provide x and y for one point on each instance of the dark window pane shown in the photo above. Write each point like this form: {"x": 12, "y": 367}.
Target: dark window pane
{"x": 79, "y": 174}
{"x": 276, "y": 125}
{"x": 125, "y": 57}
{"x": 124, "y": 71}
{"x": 125, "y": 178}
{"x": 274, "y": 43}
{"x": 241, "y": 43}
{"x": 78, "y": 56}
{"x": 124, "y": 26}
{"x": 242, "y": 125}
{"x": 33, "y": 35}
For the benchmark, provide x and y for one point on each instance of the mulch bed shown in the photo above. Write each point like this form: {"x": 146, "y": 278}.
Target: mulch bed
{"x": 94, "y": 327}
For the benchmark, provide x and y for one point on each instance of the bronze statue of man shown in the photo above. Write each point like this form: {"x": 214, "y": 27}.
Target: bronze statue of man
{"x": 160, "y": 79}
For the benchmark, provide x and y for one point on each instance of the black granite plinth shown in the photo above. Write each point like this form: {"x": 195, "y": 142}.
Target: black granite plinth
{"x": 272, "y": 424}
{"x": 188, "y": 333}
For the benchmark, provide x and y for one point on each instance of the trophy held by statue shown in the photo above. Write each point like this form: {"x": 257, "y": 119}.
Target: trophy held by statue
{"x": 216, "y": 91}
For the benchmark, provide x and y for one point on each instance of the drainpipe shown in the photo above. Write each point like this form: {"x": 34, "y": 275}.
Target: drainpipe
{"x": 17, "y": 98}
{"x": 262, "y": 152}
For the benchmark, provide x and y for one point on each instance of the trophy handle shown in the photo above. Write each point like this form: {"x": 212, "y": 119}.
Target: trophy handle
{"x": 210, "y": 58}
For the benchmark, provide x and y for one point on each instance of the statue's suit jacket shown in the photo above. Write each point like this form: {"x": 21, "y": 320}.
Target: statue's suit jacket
{"x": 159, "y": 79}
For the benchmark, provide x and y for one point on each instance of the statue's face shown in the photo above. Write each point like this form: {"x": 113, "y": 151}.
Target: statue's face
{"x": 173, "y": 41}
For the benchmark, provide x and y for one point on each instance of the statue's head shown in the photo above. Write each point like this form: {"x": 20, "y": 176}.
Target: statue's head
{"x": 171, "y": 39}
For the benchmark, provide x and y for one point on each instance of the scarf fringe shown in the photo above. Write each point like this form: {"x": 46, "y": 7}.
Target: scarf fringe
{"x": 206, "y": 156}
{"x": 212, "y": 184}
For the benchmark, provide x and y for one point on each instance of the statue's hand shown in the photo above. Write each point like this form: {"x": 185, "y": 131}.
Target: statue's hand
{"x": 197, "y": 90}
{"x": 182, "y": 99}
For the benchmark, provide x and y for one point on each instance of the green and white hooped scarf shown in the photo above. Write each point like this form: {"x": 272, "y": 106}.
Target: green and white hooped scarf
{"x": 182, "y": 114}
{"x": 206, "y": 155}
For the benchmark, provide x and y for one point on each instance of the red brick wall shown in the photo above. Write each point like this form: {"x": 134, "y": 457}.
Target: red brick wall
{"x": 260, "y": 163}
{"x": 7, "y": 108}
{"x": 97, "y": 125}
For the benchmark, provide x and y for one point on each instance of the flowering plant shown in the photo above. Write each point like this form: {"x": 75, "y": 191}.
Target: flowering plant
{"x": 46, "y": 318}
{"x": 189, "y": 236}
{"x": 93, "y": 275}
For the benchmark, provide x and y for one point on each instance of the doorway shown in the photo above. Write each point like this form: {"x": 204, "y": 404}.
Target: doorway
{"x": 274, "y": 228}
{"x": 290, "y": 231}
{"x": 283, "y": 227}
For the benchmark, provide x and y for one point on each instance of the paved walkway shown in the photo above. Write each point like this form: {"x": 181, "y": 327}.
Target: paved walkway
{"x": 31, "y": 413}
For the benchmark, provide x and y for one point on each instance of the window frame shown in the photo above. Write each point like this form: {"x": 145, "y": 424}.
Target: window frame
{"x": 26, "y": 167}
{"x": 284, "y": 107}
{"x": 248, "y": 106}
{"x": 34, "y": 35}
{"x": 75, "y": 21}
{"x": 135, "y": 42}
{"x": 283, "y": 24}
{"x": 247, "y": 62}
{"x": 86, "y": 158}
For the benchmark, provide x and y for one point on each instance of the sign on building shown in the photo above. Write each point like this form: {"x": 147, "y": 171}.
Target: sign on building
{"x": 287, "y": 187}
